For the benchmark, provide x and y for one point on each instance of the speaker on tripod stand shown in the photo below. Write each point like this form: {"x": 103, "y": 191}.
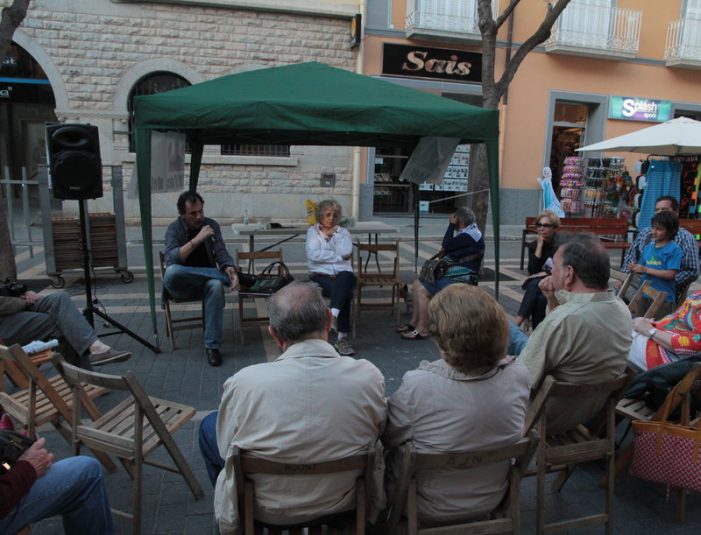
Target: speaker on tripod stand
{"x": 76, "y": 174}
{"x": 74, "y": 161}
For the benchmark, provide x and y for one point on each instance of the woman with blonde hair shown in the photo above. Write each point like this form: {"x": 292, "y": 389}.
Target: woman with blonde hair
{"x": 471, "y": 399}
{"x": 329, "y": 249}
{"x": 540, "y": 253}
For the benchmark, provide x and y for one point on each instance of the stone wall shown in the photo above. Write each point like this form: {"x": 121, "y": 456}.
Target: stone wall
{"x": 94, "y": 51}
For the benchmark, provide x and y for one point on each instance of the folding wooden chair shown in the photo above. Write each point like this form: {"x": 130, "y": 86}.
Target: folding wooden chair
{"x": 647, "y": 295}
{"x": 174, "y": 324}
{"x": 634, "y": 294}
{"x": 504, "y": 519}
{"x": 132, "y": 430}
{"x": 246, "y": 465}
{"x": 637, "y": 409}
{"x": 46, "y": 400}
{"x": 562, "y": 451}
{"x": 249, "y": 259}
{"x": 367, "y": 277}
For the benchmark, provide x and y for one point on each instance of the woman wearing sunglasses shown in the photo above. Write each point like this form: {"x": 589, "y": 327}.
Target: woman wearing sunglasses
{"x": 540, "y": 253}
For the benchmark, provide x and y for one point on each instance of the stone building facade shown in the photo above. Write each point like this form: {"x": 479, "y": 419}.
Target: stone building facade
{"x": 95, "y": 52}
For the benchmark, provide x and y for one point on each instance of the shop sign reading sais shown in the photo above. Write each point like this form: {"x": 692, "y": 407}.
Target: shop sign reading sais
{"x": 436, "y": 63}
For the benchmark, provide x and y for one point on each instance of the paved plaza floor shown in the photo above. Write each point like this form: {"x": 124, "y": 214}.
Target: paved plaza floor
{"x": 184, "y": 375}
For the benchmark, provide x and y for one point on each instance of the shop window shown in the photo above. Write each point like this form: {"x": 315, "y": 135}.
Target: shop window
{"x": 151, "y": 84}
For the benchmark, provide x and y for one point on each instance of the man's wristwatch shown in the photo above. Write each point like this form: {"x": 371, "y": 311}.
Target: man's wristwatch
{"x": 651, "y": 333}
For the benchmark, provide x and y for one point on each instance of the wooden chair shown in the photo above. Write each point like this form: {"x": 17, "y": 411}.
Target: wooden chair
{"x": 174, "y": 324}
{"x": 246, "y": 465}
{"x": 46, "y": 400}
{"x": 368, "y": 277}
{"x": 249, "y": 259}
{"x": 505, "y": 519}
{"x": 132, "y": 430}
{"x": 622, "y": 282}
{"x": 634, "y": 294}
{"x": 646, "y": 294}
{"x": 637, "y": 409}
{"x": 562, "y": 451}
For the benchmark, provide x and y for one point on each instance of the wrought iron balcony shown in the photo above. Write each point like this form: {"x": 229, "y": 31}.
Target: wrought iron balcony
{"x": 445, "y": 19}
{"x": 594, "y": 30}
{"x": 683, "y": 47}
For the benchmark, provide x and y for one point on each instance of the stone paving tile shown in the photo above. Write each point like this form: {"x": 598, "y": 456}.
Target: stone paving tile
{"x": 184, "y": 375}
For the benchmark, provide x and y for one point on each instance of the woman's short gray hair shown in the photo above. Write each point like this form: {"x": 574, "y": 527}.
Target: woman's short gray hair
{"x": 327, "y": 204}
{"x": 465, "y": 216}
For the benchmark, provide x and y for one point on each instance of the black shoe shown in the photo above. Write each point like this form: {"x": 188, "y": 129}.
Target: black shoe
{"x": 213, "y": 356}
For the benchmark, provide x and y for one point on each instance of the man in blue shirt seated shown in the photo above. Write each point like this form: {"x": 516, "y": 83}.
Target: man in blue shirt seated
{"x": 198, "y": 265}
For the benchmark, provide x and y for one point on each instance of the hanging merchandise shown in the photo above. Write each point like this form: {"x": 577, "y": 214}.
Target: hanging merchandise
{"x": 663, "y": 177}
{"x": 609, "y": 189}
{"x": 570, "y": 185}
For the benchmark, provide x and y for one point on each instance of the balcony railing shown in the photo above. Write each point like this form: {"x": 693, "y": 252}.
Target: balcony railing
{"x": 594, "y": 30}
{"x": 683, "y": 47}
{"x": 454, "y": 19}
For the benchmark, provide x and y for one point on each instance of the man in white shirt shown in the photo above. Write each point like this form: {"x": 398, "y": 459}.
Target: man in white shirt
{"x": 310, "y": 405}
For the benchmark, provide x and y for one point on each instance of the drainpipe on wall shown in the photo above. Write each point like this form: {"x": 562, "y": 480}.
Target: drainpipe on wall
{"x": 359, "y": 64}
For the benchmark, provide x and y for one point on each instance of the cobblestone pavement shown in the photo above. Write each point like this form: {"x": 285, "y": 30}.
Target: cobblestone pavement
{"x": 184, "y": 375}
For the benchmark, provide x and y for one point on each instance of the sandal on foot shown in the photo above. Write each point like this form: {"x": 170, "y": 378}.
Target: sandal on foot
{"x": 413, "y": 335}
{"x": 406, "y": 328}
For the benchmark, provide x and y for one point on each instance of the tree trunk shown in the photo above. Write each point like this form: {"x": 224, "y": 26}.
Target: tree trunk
{"x": 493, "y": 90}
{"x": 11, "y": 18}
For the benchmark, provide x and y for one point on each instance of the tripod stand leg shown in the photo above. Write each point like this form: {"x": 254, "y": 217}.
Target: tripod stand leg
{"x": 124, "y": 329}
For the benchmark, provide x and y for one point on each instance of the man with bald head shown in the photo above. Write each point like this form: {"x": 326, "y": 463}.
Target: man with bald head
{"x": 310, "y": 405}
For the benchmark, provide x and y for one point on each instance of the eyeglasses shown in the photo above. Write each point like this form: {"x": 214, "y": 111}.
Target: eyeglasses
{"x": 544, "y": 225}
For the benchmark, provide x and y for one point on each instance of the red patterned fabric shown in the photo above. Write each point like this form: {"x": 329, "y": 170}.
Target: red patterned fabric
{"x": 667, "y": 453}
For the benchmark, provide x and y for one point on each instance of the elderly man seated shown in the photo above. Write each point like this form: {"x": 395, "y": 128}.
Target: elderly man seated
{"x": 310, "y": 405}
{"x": 586, "y": 336}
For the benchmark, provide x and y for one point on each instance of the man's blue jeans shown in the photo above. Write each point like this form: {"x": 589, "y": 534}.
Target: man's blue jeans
{"x": 73, "y": 488}
{"x": 517, "y": 340}
{"x": 185, "y": 282}
{"x": 208, "y": 446}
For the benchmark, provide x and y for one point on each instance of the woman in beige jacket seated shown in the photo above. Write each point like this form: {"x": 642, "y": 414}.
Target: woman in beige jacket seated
{"x": 466, "y": 401}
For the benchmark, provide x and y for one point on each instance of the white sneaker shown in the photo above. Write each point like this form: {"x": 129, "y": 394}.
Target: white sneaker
{"x": 344, "y": 348}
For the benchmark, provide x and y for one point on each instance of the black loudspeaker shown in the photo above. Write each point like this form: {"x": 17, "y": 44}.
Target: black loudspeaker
{"x": 74, "y": 160}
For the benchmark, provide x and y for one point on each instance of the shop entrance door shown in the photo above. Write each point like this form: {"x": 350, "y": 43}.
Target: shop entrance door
{"x": 569, "y": 127}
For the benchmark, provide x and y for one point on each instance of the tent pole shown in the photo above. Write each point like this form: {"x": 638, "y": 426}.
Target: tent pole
{"x": 417, "y": 217}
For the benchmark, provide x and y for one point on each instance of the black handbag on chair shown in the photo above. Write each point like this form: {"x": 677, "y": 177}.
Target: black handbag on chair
{"x": 273, "y": 277}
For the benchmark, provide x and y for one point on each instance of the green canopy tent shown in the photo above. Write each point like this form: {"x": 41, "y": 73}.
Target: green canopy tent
{"x": 303, "y": 104}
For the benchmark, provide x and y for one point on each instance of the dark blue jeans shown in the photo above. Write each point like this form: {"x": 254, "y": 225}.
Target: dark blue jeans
{"x": 208, "y": 446}
{"x": 339, "y": 288}
{"x": 185, "y": 282}
{"x": 73, "y": 488}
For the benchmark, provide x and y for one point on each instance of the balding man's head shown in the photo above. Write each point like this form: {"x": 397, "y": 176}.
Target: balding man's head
{"x": 587, "y": 257}
{"x": 298, "y": 312}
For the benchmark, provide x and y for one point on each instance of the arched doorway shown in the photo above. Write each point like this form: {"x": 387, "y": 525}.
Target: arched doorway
{"x": 26, "y": 104}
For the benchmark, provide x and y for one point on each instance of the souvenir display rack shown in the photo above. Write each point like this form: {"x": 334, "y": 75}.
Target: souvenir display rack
{"x": 607, "y": 187}
{"x": 571, "y": 184}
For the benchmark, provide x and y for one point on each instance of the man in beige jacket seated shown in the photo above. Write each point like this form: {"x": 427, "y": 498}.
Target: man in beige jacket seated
{"x": 310, "y": 405}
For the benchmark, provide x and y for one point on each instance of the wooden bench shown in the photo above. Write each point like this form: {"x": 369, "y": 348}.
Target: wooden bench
{"x": 613, "y": 232}
{"x": 693, "y": 226}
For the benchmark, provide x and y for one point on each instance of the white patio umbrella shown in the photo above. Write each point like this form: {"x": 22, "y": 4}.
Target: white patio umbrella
{"x": 678, "y": 136}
